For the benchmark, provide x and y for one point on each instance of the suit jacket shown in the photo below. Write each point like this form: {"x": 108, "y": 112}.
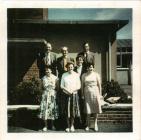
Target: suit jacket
{"x": 41, "y": 62}
{"x": 90, "y": 59}
{"x": 82, "y": 71}
{"x": 60, "y": 65}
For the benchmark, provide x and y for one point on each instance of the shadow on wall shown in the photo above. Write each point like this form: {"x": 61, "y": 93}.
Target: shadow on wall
{"x": 21, "y": 57}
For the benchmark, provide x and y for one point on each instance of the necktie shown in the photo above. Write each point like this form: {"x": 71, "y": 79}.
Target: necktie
{"x": 65, "y": 62}
{"x": 86, "y": 57}
{"x": 48, "y": 59}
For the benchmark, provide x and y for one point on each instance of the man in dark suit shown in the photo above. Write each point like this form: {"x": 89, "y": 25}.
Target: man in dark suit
{"x": 47, "y": 58}
{"x": 88, "y": 55}
{"x": 79, "y": 65}
{"x": 62, "y": 61}
{"x": 79, "y": 68}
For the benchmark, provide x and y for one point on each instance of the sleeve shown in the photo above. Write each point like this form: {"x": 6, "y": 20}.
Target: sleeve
{"x": 99, "y": 83}
{"x": 43, "y": 83}
{"x": 72, "y": 60}
{"x": 82, "y": 84}
{"x": 93, "y": 59}
{"x": 55, "y": 65}
{"x": 39, "y": 60}
{"x": 62, "y": 85}
{"x": 78, "y": 82}
{"x": 57, "y": 84}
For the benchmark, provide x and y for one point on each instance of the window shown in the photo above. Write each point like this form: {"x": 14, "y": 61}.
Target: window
{"x": 124, "y": 57}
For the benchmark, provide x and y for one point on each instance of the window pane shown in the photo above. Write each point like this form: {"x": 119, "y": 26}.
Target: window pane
{"x": 126, "y": 60}
{"x": 123, "y": 49}
{"x": 118, "y": 49}
{"x": 118, "y": 61}
{"x": 129, "y": 49}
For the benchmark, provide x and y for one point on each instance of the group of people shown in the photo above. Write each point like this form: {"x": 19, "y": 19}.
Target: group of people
{"x": 69, "y": 90}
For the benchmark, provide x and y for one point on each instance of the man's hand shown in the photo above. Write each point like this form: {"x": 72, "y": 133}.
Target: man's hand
{"x": 83, "y": 97}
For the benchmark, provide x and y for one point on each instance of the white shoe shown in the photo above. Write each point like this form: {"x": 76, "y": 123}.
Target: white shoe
{"x": 87, "y": 128}
{"x": 72, "y": 128}
{"x": 67, "y": 130}
{"x": 96, "y": 127}
{"x": 44, "y": 129}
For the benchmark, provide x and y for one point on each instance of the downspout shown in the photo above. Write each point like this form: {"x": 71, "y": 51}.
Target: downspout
{"x": 109, "y": 60}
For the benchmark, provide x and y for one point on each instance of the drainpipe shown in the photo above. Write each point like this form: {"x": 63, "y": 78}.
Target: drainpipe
{"x": 109, "y": 60}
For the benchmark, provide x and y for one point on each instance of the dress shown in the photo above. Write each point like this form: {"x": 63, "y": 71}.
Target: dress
{"x": 48, "y": 106}
{"x": 91, "y": 93}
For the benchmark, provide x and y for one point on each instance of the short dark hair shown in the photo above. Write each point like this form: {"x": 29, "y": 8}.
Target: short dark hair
{"x": 69, "y": 63}
{"x": 89, "y": 64}
{"x": 79, "y": 56}
{"x": 85, "y": 43}
{"x": 47, "y": 67}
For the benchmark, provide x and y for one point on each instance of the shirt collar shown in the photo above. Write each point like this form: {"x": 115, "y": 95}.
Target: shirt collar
{"x": 79, "y": 66}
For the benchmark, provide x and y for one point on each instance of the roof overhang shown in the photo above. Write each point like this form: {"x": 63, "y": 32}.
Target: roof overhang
{"x": 101, "y": 24}
{"x": 19, "y": 27}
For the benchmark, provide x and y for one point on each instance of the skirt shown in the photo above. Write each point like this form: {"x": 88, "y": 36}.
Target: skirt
{"x": 71, "y": 105}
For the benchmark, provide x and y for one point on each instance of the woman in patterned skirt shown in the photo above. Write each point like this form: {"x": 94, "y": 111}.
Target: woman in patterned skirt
{"x": 70, "y": 84}
{"x": 48, "y": 106}
{"x": 91, "y": 92}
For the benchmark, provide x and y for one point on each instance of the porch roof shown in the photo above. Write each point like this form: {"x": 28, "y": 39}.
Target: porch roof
{"x": 113, "y": 25}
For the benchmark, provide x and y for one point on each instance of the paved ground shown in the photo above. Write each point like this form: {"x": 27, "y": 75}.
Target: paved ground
{"x": 103, "y": 127}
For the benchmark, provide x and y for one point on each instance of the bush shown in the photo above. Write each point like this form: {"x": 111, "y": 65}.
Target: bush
{"x": 27, "y": 92}
{"x": 113, "y": 89}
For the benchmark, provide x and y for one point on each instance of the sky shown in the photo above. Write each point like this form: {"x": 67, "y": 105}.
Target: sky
{"x": 96, "y": 14}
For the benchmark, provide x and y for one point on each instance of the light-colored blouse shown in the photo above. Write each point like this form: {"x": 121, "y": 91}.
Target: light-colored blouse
{"x": 70, "y": 81}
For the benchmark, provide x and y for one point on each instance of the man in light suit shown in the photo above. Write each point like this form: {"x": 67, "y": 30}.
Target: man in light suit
{"x": 62, "y": 61}
{"x": 47, "y": 58}
{"x": 88, "y": 55}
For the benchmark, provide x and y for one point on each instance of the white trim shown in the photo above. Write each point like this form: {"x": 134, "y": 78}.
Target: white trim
{"x": 36, "y": 107}
{"x": 109, "y": 61}
{"x": 26, "y": 40}
{"x": 123, "y": 68}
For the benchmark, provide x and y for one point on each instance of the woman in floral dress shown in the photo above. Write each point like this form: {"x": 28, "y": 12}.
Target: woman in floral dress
{"x": 48, "y": 106}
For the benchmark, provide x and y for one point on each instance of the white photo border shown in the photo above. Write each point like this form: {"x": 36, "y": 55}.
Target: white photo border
{"x": 136, "y": 36}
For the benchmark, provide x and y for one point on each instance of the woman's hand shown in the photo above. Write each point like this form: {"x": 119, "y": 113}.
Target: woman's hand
{"x": 67, "y": 91}
{"x": 101, "y": 97}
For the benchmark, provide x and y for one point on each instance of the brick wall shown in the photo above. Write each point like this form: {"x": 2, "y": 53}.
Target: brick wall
{"x": 116, "y": 116}
{"x": 33, "y": 71}
{"x": 22, "y": 62}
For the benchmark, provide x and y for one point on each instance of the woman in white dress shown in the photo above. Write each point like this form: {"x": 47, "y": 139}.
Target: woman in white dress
{"x": 91, "y": 92}
{"x": 70, "y": 84}
{"x": 48, "y": 106}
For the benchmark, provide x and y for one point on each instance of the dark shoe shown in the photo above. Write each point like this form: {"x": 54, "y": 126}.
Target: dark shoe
{"x": 53, "y": 128}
